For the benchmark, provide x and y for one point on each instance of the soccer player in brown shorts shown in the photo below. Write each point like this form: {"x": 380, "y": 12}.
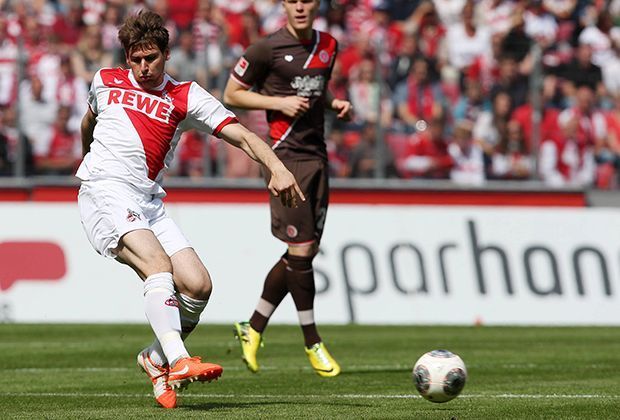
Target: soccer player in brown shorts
{"x": 286, "y": 74}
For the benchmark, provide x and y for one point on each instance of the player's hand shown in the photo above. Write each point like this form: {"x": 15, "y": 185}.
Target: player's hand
{"x": 343, "y": 108}
{"x": 284, "y": 185}
{"x": 294, "y": 106}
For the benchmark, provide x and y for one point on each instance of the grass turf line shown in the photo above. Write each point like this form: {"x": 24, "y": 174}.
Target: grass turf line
{"x": 88, "y": 371}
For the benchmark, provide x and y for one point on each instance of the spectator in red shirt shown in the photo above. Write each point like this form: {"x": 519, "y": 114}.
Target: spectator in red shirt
{"x": 63, "y": 155}
{"x": 385, "y": 34}
{"x": 510, "y": 159}
{"x": 353, "y": 54}
{"x": 339, "y": 154}
{"x": 467, "y": 155}
{"x": 570, "y": 158}
{"x": 192, "y": 155}
{"x": 182, "y": 12}
{"x": 426, "y": 153}
{"x": 417, "y": 97}
{"x": 69, "y": 24}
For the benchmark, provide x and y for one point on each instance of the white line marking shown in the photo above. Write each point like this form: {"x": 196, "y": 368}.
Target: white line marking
{"x": 310, "y": 396}
{"x": 69, "y": 369}
{"x": 349, "y": 368}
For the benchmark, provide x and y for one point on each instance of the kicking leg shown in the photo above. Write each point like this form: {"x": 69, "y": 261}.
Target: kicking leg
{"x": 194, "y": 286}
{"x": 141, "y": 250}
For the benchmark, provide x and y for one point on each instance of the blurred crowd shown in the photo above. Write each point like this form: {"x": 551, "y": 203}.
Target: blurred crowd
{"x": 465, "y": 90}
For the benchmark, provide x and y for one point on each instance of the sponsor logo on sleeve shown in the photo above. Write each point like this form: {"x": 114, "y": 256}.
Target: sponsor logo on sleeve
{"x": 242, "y": 66}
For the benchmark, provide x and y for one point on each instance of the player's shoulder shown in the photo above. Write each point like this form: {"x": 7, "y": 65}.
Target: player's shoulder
{"x": 326, "y": 43}
{"x": 178, "y": 85}
{"x": 112, "y": 76}
{"x": 326, "y": 37}
{"x": 179, "y": 90}
{"x": 275, "y": 36}
{"x": 189, "y": 91}
{"x": 265, "y": 44}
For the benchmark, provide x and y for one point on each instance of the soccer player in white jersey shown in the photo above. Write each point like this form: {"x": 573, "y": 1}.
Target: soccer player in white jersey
{"x": 129, "y": 134}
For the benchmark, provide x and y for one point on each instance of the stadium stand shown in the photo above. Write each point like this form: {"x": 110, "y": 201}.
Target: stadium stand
{"x": 526, "y": 90}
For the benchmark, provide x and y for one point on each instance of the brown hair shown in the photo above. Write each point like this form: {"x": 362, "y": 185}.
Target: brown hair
{"x": 144, "y": 30}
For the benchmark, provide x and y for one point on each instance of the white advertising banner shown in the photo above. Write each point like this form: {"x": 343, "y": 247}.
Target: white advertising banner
{"x": 378, "y": 264}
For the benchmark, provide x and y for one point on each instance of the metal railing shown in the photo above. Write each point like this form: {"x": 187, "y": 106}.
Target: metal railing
{"x": 20, "y": 177}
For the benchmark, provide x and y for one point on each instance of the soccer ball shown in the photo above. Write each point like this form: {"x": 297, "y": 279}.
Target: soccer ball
{"x": 439, "y": 375}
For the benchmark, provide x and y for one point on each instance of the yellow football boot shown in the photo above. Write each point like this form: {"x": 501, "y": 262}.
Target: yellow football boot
{"x": 250, "y": 340}
{"x": 322, "y": 362}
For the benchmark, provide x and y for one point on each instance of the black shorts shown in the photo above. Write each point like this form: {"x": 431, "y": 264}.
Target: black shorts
{"x": 305, "y": 222}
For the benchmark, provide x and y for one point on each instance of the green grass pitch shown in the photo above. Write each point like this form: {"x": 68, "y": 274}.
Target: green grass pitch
{"x": 89, "y": 371}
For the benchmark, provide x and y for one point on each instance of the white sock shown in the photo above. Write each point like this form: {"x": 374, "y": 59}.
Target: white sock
{"x": 162, "y": 312}
{"x": 156, "y": 353}
{"x": 190, "y": 310}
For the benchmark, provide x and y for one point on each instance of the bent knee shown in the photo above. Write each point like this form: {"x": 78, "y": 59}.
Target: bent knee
{"x": 204, "y": 289}
{"x": 197, "y": 286}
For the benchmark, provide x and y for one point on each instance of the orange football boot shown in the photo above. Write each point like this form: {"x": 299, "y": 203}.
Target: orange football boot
{"x": 190, "y": 369}
{"x": 164, "y": 394}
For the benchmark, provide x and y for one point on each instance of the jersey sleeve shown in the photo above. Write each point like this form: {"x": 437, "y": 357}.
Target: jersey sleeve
{"x": 333, "y": 63}
{"x": 92, "y": 92}
{"x": 205, "y": 113}
{"x": 253, "y": 66}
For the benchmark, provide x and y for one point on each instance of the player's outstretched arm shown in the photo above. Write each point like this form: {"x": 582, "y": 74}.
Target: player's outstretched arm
{"x": 240, "y": 97}
{"x": 87, "y": 127}
{"x": 282, "y": 183}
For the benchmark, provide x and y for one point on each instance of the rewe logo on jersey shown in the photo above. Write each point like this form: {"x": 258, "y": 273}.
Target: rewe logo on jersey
{"x": 150, "y": 105}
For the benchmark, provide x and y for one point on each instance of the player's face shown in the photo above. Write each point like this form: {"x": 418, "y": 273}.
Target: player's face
{"x": 300, "y": 14}
{"x": 147, "y": 65}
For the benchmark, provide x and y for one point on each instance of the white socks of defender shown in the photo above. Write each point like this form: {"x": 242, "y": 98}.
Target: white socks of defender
{"x": 162, "y": 312}
{"x": 190, "y": 310}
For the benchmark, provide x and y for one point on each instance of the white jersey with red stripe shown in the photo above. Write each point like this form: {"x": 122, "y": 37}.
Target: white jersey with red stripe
{"x": 137, "y": 130}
